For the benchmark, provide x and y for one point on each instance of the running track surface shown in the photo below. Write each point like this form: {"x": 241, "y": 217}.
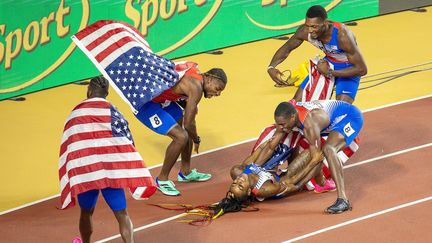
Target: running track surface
{"x": 381, "y": 184}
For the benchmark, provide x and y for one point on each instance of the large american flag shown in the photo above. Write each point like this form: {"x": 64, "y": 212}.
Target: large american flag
{"x": 123, "y": 56}
{"x": 97, "y": 151}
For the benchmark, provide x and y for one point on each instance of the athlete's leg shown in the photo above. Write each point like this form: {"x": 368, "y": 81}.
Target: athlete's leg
{"x": 297, "y": 181}
{"x": 299, "y": 168}
{"x": 334, "y": 143}
{"x": 87, "y": 201}
{"x": 179, "y": 140}
{"x": 319, "y": 178}
{"x": 316, "y": 170}
{"x": 155, "y": 117}
{"x": 176, "y": 112}
{"x": 346, "y": 88}
{"x": 186, "y": 153}
{"x": 86, "y": 225}
{"x": 116, "y": 200}
{"x": 125, "y": 225}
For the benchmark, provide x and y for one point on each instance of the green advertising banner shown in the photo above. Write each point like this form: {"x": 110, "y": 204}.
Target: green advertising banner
{"x": 36, "y": 51}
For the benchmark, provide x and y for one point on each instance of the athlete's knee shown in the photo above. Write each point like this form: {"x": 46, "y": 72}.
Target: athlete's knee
{"x": 86, "y": 213}
{"x": 121, "y": 215}
{"x": 329, "y": 150}
{"x": 179, "y": 135}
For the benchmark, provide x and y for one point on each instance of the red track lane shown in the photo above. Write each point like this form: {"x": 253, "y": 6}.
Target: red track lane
{"x": 411, "y": 224}
{"x": 372, "y": 187}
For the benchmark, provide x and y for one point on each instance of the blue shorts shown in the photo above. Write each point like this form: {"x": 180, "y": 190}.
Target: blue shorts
{"x": 114, "y": 197}
{"x": 350, "y": 125}
{"x": 344, "y": 85}
{"x": 160, "y": 119}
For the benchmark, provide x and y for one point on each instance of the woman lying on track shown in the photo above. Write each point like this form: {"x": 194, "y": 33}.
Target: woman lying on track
{"x": 263, "y": 174}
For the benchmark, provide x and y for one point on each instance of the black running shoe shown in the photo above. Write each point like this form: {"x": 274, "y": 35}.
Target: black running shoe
{"x": 341, "y": 205}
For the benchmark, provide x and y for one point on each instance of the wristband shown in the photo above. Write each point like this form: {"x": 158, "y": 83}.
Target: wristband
{"x": 255, "y": 191}
{"x": 270, "y": 67}
{"x": 197, "y": 140}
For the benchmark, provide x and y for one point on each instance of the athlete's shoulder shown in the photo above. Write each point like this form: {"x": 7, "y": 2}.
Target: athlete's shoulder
{"x": 301, "y": 32}
{"x": 194, "y": 72}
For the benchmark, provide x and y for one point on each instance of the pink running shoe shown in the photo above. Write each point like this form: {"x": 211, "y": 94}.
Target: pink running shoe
{"x": 329, "y": 186}
{"x": 77, "y": 240}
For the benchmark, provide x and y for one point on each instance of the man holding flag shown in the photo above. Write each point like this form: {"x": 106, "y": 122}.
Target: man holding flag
{"x": 97, "y": 154}
{"x": 342, "y": 67}
{"x": 152, "y": 85}
{"x": 343, "y": 59}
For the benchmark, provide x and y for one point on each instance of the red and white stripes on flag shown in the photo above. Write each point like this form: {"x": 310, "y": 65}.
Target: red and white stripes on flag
{"x": 93, "y": 156}
{"x": 319, "y": 86}
{"x": 291, "y": 139}
{"x": 121, "y": 35}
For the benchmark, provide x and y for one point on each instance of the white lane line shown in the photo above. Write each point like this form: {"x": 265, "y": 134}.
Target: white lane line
{"x": 144, "y": 227}
{"x": 345, "y": 167}
{"x": 212, "y": 150}
{"x": 216, "y": 149}
{"x": 397, "y": 103}
{"x": 29, "y": 204}
{"x": 388, "y": 155}
{"x": 359, "y": 219}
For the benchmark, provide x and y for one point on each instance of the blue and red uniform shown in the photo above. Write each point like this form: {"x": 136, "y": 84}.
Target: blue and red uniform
{"x": 339, "y": 59}
{"x": 163, "y": 112}
{"x": 345, "y": 118}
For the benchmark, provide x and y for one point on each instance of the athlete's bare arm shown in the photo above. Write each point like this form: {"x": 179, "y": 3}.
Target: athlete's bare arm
{"x": 268, "y": 150}
{"x": 348, "y": 44}
{"x": 283, "y": 52}
{"x": 192, "y": 88}
{"x": 314, "y": 123}
{"x": 268, "y": 189}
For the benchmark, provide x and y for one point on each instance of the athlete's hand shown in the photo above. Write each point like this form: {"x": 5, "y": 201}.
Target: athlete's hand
{"x": 196, "y": 147}
{"x": 197, "y": 144}
{"x": 276, "y": 75}
{"x": 323, "y": 66}
{"x": 288, "y": 188}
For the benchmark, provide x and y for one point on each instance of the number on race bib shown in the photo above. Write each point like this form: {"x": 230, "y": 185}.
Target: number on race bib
{"x": 155, "y": 121}
{"x": 348, "y": 130}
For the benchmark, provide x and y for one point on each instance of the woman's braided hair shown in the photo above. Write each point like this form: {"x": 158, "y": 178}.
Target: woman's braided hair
{"x": 205, "y": 214}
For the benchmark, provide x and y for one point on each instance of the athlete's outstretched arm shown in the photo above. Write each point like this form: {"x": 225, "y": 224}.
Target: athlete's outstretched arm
{"x": 268, "y": 150}
{"x": 283, "y": 52}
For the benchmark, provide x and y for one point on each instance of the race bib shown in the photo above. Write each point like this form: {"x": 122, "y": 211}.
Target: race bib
{"x": 348, "y": 130}
{"x": 155, "y": 121}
